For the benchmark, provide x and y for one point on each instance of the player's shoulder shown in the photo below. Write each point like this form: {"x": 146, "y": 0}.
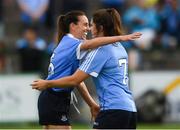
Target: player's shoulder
{"x": 71, "y": 38}
{"x": 100, "y": 52}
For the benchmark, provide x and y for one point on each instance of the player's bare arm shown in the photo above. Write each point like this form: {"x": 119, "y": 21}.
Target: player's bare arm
{"x": 100, "y": 41}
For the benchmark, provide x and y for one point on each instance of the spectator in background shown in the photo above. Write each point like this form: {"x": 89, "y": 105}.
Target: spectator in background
{"x": 31, "y": 49}
{"x": 2, "y": 56}
{"x": 48, "y": 53}
{"x": 143, "y": 18}
{"x": 33, "y": 11}
{"x": 117, "y": 4}
{"x": 2, "y": 45}
{"x": 1, "y": 20}
{"x": 50, "y": 15}
{"x": 169, "y": 15}
{"x": 69, "y": 5}
{"x": 57, "y": 7}
{"x": 52, "y": 45}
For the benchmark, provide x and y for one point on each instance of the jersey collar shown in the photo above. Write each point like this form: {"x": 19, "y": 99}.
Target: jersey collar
{"x": 70, "y": 35}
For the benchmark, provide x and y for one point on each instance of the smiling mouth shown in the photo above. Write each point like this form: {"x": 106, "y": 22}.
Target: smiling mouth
{"x": 85, "y": 33}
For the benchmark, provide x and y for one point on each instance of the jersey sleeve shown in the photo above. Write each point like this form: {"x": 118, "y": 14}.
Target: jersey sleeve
{"x": 80, "y": 53}
{"x": 94, "y": 62}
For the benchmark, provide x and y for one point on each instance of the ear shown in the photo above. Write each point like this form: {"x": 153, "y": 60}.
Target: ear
{"x": 72, "y": 26}
{"x": 101, "y": 29}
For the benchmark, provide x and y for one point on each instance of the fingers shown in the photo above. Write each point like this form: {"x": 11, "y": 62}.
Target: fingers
{"x": 92, "y": 118}
{"x": 37, "y": 88}
{"x": 136, "y": 35}
{"x": 39, "y": 84}
{"x": 37, "y": 80}
{"x": 93, "y": 114}
{"x": 35, "y": 84}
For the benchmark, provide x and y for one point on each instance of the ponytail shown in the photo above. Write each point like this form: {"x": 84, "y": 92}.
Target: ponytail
{"x": 60, "y": 27}
{"x": 116, "y": 20}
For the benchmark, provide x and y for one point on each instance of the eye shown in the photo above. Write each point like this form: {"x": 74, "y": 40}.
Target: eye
{"x": 86, "y": 24}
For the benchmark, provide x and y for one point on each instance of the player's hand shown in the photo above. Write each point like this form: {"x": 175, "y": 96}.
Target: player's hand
{"x": 39, "y": 84}
{"x": 94, "y": 111}
{"x": 132, "y": 36}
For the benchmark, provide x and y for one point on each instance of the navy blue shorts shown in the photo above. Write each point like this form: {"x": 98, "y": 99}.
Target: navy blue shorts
{"x": 115, "y": 119}
{"x": 53, "y": 107}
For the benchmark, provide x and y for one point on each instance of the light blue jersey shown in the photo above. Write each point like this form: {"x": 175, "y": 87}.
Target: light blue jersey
{"x": 65, "y": 59}
{"x": 109, "y": 67}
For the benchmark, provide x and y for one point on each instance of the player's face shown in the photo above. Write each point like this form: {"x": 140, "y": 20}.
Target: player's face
{"x": 93, "y": 29}
{"x": 82, "y": 27}
{"x": 30, "y": 35}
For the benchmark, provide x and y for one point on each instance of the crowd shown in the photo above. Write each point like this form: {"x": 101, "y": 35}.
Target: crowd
{"x": 158, "y": 20}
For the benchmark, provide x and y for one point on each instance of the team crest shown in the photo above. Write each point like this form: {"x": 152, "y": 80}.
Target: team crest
{"x": 63, "y": 118}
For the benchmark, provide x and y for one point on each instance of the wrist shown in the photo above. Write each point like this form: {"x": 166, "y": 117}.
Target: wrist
{"x": 48, "y": 83}
{"x": 122, "y": 38}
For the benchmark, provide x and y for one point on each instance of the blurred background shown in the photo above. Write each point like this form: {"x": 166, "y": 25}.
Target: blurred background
{"x": 27, "y": 39}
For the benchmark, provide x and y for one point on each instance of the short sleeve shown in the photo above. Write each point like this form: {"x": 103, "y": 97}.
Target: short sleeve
{"x": 80, "y": 53}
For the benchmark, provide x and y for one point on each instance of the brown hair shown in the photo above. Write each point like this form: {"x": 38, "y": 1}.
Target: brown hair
{"x": 110, "y": 20}
{"x": 64, "y": 21}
